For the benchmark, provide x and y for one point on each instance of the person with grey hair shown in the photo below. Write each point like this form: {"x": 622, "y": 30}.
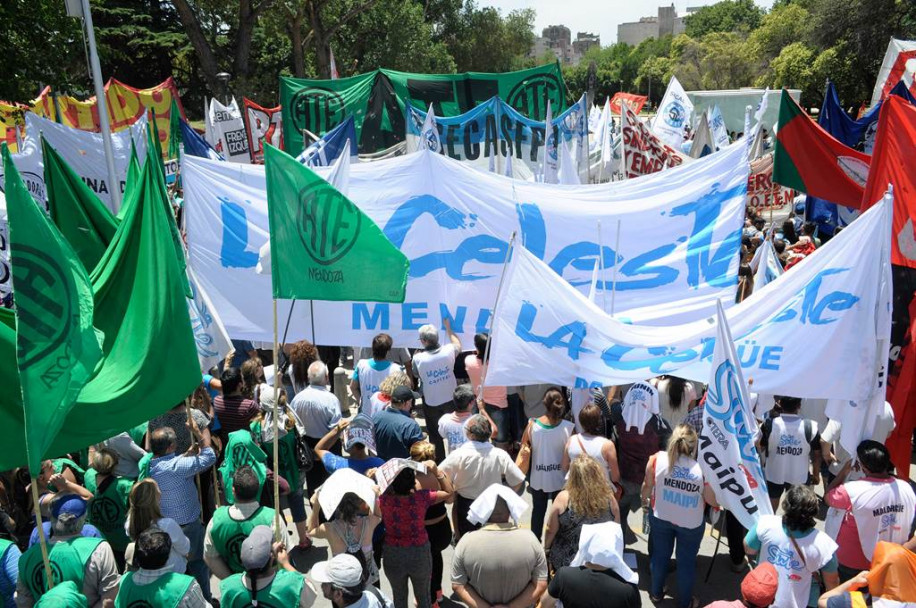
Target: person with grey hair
{"x": 451, "y": 426}
{"x": 434, "y": 371}
{"x": 476, "y": 465}
{"x": 319, "y": 411}
{"x": 85, "y": 561}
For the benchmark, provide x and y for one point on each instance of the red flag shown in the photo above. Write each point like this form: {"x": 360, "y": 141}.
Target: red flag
{"x": 635, "y": 102}
{"x": 893, "y": 162}
{"x": 901, "y": 392}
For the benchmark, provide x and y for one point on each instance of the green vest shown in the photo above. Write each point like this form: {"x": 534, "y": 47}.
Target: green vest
{"x": 68, "y": 563}
{"x": 143, "y": 466}
{"x": 108, "y": 509}
{"x": 282, "y": 592}
{"x": 241, "y": 450}
{"x": 61, "y": 464}
{"x": 165, "y": 592}
{"x": 289, "y": 468}
{"x": 228, "y": 534}
{"x": 64, "y": 595}
{"x": 138, "y": 432}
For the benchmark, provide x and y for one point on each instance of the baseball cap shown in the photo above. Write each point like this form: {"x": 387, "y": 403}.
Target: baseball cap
{"x": 342, "y": 570}
{"x": 402, "y": 394}
{"x": 70, "y": 504}
{"x": 759, "y": 586}
{"x": 257, "y": 548}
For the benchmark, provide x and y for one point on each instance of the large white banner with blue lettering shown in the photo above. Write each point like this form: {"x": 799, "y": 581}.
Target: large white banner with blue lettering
{"x": 679, "y": 237}
{"x": 812, "y": 332}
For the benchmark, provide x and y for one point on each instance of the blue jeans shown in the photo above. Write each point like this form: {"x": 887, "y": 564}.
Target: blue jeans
{"x": 662, "y": 537}
{"x": 196, "y": 565}
{"x": 500, "y": 416}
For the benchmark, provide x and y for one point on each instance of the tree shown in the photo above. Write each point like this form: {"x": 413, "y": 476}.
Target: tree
{"x": 792, "y": 68}
{"x": 725, "y": 62}
{"x": 725, "y": 16}
{"x": 481, "y": 39}
{"x": 654, "y": 71}
{"x": 782, "y": 26}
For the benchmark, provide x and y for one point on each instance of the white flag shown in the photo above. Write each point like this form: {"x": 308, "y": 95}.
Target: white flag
{"x": 509, "y": 162}
{"x": 210, "y": 336}
{"x": 717, "y": 124}
{"x": 334, "y": 73}
{"x": 673, "y": 114}
{"x": 703, "y": 142}
{"x": 551, "y": 152}
{"x": 569, "y": 169}
{"x": 429, "y": 134}
{"x": 768, "y": 266}
{"x": 727, "y": 453}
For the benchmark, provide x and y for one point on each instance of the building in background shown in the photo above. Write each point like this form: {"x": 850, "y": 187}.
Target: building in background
{"x": 558, "y": 40}
{"x": 664, "y": 23}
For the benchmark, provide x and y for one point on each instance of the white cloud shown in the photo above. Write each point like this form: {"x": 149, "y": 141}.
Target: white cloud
{"x": 595, "y": 16}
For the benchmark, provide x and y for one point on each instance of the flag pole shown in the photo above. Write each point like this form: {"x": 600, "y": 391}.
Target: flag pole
{"x": 616, "y": 258}
{"x": 623, "y": 149}
{"x": 187, "y": 409}
{"x": 276, "y": 423}
{"x": 42, "y": 541}
{"x": 492, "y": 320}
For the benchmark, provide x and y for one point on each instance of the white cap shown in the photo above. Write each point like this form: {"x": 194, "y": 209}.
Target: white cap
{"x": 343, "y": 570}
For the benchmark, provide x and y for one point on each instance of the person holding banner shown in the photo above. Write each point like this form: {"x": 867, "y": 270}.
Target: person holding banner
{"x": 677, "y": 494}
{"x": 796, "y": 549}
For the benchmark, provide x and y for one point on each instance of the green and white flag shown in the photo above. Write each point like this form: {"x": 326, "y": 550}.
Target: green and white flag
{"x": 57, "y": 346}
{"x": 323, "y": 247}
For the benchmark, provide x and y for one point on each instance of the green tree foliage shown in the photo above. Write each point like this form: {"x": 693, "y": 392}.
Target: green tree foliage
{"x": 726, "y": 16}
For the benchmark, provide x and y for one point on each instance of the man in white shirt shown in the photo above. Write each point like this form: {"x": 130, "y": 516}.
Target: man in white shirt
{"x": 792, "y": 445}
{"x": 475, "y": 466}
{"x": 319, "y": 411}
{"x": 434, "y": 370}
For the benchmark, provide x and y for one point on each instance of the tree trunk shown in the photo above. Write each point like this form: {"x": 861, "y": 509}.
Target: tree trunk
{"x": 241, "y": 64}
{"x": 208, "y": 64}
{"x": 320, "y": 38}
{"x": 296, "y": 42}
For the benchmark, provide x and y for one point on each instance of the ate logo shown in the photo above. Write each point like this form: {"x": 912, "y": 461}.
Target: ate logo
{"x": 530, "y": 95}
{"x": 104, "y": 511}
{"x": 328, "y": 227}
{"x": 41, "y": 285}
{"x": 38, "y": 575}
{"x": 317, "y": 110}
{"x": 234, "y": 545}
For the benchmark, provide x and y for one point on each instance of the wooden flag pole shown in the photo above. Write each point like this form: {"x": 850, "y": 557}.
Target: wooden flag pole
{"x": 187, "y": 409}
{"x": 42, "y": 541}
{"x": 276, "y": 424}
{"x": 499, "y": 288}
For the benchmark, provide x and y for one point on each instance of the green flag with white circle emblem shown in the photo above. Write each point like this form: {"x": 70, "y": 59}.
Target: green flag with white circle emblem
{"x": 57, "y": 348}
{"x": 322, "y": 246}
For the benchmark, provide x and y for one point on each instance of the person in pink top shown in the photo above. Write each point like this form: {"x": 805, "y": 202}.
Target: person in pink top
{"x": 493, "y": 400}
{"x": 877, "y": 507}
{"x": 758, "y": 589}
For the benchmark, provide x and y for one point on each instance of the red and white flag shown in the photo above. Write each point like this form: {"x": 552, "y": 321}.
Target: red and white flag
{"x": 899, "y": 64}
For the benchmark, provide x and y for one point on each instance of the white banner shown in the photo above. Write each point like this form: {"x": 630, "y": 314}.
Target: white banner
{"x": 82, "y": 150}
{"x": 679, "y": 241}
{"x": 225, "y": 131}
{"x": 644, "y": 152}
{"x": 210, "y": 337}
{"x": 728, "y": 433}
{"x": 822, "y": 320}
{"x": 674, "y": 114}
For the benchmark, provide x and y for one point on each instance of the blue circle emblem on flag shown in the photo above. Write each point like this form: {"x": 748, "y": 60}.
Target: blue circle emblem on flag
{"x": 675, "y": 114}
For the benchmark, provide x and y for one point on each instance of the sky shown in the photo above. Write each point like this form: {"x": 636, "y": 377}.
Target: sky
{"x": 592, "y": 15}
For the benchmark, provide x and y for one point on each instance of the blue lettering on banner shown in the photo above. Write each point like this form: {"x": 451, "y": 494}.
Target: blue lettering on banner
{"x": 377, "y": 316}
{"x": 723, "y": 403}
{"x": 575, "y": 330}
{"x": 812, "y": 309}
{"x": 414, "y": 315}
{"x": 234, "y": 251}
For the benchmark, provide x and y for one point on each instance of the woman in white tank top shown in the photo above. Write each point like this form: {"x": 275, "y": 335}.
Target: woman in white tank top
{"x": 592, "y": 442}
{"x": 674, "y": 483}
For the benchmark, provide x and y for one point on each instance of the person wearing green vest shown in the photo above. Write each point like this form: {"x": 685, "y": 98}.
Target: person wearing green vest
{"x": 108, "y": 506}
{"x": 64, "y": 595}
{"x": 154, "y": 585}
{"x": 289, "y": 424}
{"x": 263, "y": 584}
{"x": 242, "y": 450}
{"x": 88, "y": 562}
{"x": 232, "y": 524}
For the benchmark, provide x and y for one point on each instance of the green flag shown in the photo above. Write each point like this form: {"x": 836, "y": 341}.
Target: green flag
{"x": 57, "y": 348}
{"x": 322, "y": 247}
{"x": 133, "y": 178}
{"x": 174, "y": 130}
{"x": 79, "y": 214}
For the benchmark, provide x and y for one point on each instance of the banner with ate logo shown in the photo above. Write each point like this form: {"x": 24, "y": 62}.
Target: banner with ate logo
{"x": 824, "y": 319}
{"x": 679, "y": 240}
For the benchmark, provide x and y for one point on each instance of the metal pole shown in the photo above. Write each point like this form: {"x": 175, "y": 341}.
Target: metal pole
{"x": 614, "y": 279}
{"x": 276, "y": 422}
{"x": 499, "y": 288}
{"x": 113, "y": 182}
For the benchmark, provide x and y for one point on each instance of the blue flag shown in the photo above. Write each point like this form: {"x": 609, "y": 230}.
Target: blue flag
{"x": 195, "y": 145}
{"x": 329, "y": 147}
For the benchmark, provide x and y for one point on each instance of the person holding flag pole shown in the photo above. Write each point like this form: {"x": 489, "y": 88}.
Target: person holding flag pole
{"x": 322, "y": 247}
{"x": 57, "y": 350}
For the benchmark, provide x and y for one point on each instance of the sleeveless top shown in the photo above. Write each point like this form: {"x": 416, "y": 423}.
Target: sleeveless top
{"x": 352, "y": 538}
{"x": 788, "y": 450}
{"x": 566, "y": 542}
{"x": 165, "y": 592}
{"x": 592, "y": 444}
{"x": 678, "y": 494}
{"x": 286, "y": 448}
{"x": 282, "y": 592}
{"x": 68, "y": 563}
{"x": 228, "y": 534}
{"x": 369, "y": 380}
{"x": 547, "y": 446}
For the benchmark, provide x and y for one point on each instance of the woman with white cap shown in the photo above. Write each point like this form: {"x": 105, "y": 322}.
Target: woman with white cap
{"x": 597, "y": 577}
{"x": 676, "y": 491}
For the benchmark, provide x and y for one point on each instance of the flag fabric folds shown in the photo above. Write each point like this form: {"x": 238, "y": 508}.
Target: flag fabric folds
{"x": 57, "y": 348}
{"x": 809, "y": 159}
{"x": 323, "y": 247}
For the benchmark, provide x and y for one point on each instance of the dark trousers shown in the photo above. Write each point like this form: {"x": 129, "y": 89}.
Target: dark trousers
{"x": 539, "y": 509}
{"x": 735, "y": 533}
{"x": 432, "y": 414}
{"x": 440, "y": 537}
{"x": 462, "y": 506}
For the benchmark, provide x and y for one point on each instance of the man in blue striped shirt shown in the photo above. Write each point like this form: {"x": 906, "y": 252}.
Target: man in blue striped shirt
{"x": 175, "y": 475}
